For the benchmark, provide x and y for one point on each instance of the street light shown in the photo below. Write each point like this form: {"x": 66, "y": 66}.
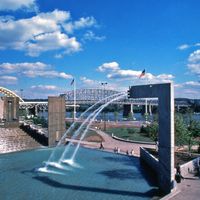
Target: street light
{"x": 21, "y": 93}
{"x": 104, "y": 114}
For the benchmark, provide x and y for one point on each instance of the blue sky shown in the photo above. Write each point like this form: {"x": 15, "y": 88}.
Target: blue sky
{"x": 45, "y": 43}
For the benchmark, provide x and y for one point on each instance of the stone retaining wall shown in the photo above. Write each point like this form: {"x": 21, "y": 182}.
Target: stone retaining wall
{"x": 149, "y": 159}
{"x": 189, "y": 167}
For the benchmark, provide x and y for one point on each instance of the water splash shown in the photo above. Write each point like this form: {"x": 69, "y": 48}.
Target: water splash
{"x": 57, "y": 165}
{"x": 46, "y": 170}
{"x": 61, "y": 160}
{"x": 70, "y": 162}
{"x": 77, "y": 132}
{"x": 74, "y": 123}
{"x": 96, "y": 112}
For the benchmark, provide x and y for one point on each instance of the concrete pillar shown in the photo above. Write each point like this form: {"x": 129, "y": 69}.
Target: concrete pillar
{"x": 150, "y": 110}
{"x": 11, "y": 111}
{"x": 36, "y": 110}
{"x": 146, "y": 110}
{"x": 1, "y": 107}
{"x": 178, "y": 108}
{"x": 146, "y": 107}
{"x": 165, "y": 94}
{"x": 126, "y": 110}
{"x": 56, "y": 119}
{"x": 131, "y": 111}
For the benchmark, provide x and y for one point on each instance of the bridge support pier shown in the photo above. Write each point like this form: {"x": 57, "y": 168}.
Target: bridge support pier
{"x": 146, "y": 111}
{"x": 128, "y": 111}
{"x": 150, "y": 109}
{"x": 36, "y": 110}
{"x": 56, "y": 119}
{"x": 131, "y": 111}
{"x": 10, "y": 111}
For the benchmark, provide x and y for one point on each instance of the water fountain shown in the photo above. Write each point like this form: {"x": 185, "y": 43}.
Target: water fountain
{"x": 58, "y": 164}
{"x": 95, "y": 113}
{"x": 104, "y": 175}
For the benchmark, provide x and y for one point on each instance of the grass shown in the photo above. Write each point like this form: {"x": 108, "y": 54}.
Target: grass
{"x": 89, "y": 133}
{"x": 129, "y": 133}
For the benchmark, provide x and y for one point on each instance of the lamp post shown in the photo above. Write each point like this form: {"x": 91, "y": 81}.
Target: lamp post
{"x": 104, "y": 114}
{"x": 74, "y": 115}
{"x": 21, "y": 93}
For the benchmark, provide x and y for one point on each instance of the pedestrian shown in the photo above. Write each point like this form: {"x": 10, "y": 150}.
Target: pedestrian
{"x": 178, "y": 175}
{"x": 156, "y": 141}
{"x": 101, "y": 146}
{"x": 127, "y": 153}
{"x": 132, "y": 152}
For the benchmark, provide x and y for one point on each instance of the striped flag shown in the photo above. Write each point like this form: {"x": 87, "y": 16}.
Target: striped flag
{"x": 142, "y": 74}
{"x": 72, "y": 82}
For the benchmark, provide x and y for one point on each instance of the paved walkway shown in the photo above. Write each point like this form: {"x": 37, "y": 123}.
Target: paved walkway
{"x": 110, "y": 143}
{"x": 188, "y": 189}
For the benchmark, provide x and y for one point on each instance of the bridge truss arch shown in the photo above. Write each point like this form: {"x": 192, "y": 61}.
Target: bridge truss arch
{"x": 10, "y": 93}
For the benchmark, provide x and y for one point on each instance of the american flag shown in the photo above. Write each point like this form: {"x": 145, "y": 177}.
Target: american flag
{"x": 142, "y": 74}
{"x": 72, "y": 82}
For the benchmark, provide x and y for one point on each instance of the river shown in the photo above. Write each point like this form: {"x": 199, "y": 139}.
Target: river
{"x": 111, "y": 116}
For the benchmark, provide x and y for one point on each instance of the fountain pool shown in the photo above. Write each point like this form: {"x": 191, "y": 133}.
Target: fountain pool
{"x": 97, "y": 175}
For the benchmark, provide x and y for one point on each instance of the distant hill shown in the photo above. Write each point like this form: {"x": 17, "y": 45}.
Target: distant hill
{"x": 28, "y": 100}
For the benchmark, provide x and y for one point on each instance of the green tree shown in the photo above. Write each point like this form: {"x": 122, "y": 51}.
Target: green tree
{"x": 130, "y": 116}
{"x": 153, "y": 131}
{"x": 181, "y": 131}
{"x": 116, "y": 115}
{"x": 194, "y": 128}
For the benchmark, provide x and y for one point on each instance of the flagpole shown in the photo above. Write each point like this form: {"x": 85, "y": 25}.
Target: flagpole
{"x": 74, "y": 116}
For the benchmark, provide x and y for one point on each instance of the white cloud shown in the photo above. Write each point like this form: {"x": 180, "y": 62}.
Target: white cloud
{"x": 187, "y": 46}
{"x": 165, "y": 76}
{"x": 189, "y": 89}
{"x": 47, "y": 74}
{"x": 80, "y": 24}
{"x": 113, "y": 66}
{"x": 42, "y": 91}
{"x": 17, "y": 4}
{"x": 90, "y": 35}
{"x": 90, "y": 82}
{"x": 121, "y": 74}
{"x": 8, "y": 80}
{"x": 195, "y": 56}
{"x": 44, "y": 87}
{"x": 134, "y": 75}
{"x": 197, "y": 44}
{"x": 41, "y": 33}
{"x": 192, "y": 83}
{"x": 18, "y": 67}
{"x": 183, "y": 47}
{"x": 37, "y": 69}
{"x": 115, "y": 73}
{"x": 87, "y": 81}
{"x": 194, "y": 62}
{"x": 52, "y": 41}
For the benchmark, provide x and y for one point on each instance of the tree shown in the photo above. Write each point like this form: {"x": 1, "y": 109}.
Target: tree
{"x": 151, "y": 130}
{"x": 116, "y": 114}
{"x": 194, "y": 128}
{"x": 181, "y": 131}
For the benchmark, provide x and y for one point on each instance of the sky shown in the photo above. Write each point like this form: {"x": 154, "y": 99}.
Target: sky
{"x": 44, "y": 44}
